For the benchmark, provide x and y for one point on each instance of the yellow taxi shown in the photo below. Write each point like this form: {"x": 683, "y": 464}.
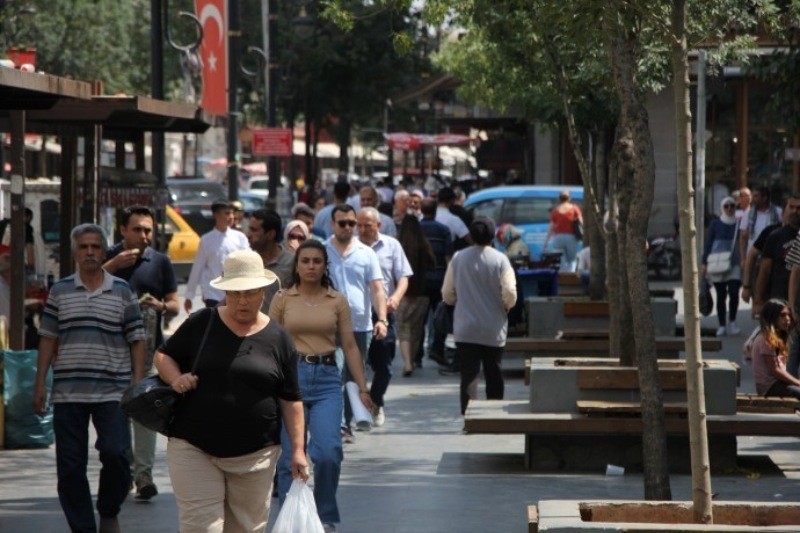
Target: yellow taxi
{"x": 183, "y": 245}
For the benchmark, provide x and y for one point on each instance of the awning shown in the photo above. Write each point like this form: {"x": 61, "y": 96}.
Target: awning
{"x": 413, "y": 141}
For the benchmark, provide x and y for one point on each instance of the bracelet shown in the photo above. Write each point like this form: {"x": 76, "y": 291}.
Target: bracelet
{"x": 364, "y": 391}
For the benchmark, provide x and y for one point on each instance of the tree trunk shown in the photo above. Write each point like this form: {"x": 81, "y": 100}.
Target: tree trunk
{"x": 594, "y": 230}
{"x": 634, "y": 119}
{"x": 624, "y": 192}
{"x": 343, "y": 134}
{"x": 695, "y": 388}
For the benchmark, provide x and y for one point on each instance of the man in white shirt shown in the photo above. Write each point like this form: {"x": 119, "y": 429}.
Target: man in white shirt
{"x": 445, "y": 198}
{"x": 211, "y": 253}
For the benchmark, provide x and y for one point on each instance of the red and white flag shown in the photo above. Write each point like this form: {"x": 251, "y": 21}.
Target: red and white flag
{"x": 213, "y": 16}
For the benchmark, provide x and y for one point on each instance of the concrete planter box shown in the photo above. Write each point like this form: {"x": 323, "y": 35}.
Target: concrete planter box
{"x": 562, "y": 516}
{"x": 546, "y": 315}
{"x": 555, "y": 387}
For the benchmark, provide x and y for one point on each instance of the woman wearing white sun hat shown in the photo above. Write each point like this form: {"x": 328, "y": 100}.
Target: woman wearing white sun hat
{"x": 225, "y": 440}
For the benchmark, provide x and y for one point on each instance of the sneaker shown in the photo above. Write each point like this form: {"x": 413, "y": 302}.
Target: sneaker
{"x": 378, "y": 416}
{"x": 438, "y": 358}
{"x": 145, "y": 488}
{"x": 329, "y": 528}
{"x": 721, "y": 331}
{"x": 363, "y": 425}
{"x": 347, "y": 436}
{"x": 449, "y": 371}
{"x": 733, "y": 329}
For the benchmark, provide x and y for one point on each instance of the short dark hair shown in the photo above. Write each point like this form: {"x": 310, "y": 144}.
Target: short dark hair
{"x": 139, "y": 210}
{"x": 428, "y": 207}
{"x": 763, "y": 190}
{"x": 220, "y": 204}
{"x": 445, "y": 195}
{"x": 341, "y": 190}
{"x": 270, "y": 220}
{"x": 482, "y": 231}
{"x": 342, "y": 208}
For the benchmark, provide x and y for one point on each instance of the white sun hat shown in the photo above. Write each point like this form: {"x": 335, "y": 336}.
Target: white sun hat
{"x": 243, "y": 270}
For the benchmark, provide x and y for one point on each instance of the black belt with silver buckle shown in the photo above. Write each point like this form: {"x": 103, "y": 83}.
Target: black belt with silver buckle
{"x": 318, "y": 359}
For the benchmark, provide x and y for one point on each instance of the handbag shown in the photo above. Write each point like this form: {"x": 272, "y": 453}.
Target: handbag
{"x": 706, "y": 300}
{"x": 720, "y": 262}
{"x": 152, "y": 402}
{"x": 577, "y": 227}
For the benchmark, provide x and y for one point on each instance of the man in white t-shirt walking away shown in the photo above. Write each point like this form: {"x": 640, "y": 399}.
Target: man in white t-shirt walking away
{"x": 445, "y": 199}
{"x": 762, "y": 213}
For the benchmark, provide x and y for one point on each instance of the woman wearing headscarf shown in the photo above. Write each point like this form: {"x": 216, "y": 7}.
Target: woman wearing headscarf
{"x": 224, "y": 443}
{"x": 721, "y": 236}
{"x": 511, "y": 239}
{"x": 295, "y": 234}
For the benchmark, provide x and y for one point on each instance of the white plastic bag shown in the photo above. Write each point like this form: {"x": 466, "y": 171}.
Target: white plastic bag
{"x": 299, "y": 511}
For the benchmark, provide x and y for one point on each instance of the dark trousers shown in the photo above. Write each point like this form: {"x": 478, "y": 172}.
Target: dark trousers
{"x": 211, "y": 303}
{"x": 780, "y": 388}
{"x": 470, "y": 358}
{"x": 381, "y": 355}
{"x": 434, "y": 297}
{"x": 71, "y": 426}
{"x": 725, "y": 289}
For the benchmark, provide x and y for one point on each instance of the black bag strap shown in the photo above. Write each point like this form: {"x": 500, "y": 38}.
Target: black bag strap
{"x": 203, "y": 340}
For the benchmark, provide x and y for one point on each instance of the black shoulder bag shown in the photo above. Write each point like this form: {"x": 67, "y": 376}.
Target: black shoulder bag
{"x": 151, "y": 402}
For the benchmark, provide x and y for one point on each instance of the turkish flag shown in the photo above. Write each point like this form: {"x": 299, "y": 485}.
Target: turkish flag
{"x": 213, "y": 16}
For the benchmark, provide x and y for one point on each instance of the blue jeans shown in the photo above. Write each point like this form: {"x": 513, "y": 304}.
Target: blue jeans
{"x": 363, "y": 339}
{"x": 567, "y": 244}
{"x": 71, "y": 426}
{"x": 322, "y": 406}
{"x": 381, "y": 355}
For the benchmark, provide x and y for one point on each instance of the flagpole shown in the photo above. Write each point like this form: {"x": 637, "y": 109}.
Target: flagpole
{"x": 234, "y": 35}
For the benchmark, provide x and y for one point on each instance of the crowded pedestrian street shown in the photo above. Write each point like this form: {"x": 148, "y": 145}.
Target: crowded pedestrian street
{"x": 420, "y": 472}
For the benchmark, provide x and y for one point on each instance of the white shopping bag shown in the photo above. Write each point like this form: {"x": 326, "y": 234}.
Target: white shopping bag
{"x": 361, "y": 415}
{"x": 298, "y": 512}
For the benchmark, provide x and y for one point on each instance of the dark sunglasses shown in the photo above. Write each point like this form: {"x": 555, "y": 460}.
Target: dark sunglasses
{"x": 294, "y": 237}
{"x": 344, "y": 223}
{"x": 728, "y": 205}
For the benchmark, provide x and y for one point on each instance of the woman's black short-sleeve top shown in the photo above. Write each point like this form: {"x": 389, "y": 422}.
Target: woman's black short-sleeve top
{"x": 234, "y": 409}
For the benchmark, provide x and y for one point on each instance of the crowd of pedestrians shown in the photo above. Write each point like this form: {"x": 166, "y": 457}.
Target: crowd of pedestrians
{"x": 295, "y": 310}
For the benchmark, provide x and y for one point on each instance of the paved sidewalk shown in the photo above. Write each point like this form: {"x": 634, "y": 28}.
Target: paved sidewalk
{"x": 419, "y": 472}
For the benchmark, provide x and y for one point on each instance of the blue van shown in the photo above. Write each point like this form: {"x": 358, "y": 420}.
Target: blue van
{"x": 527, "y": 207}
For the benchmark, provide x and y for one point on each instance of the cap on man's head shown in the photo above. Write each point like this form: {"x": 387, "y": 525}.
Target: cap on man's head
{"x": 220, "y": 204}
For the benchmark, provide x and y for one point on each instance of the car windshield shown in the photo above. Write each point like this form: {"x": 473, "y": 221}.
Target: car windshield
{"x": 519, "y": 211}
{"x": 259, "y": 185}
{"x": 205, "y": 191}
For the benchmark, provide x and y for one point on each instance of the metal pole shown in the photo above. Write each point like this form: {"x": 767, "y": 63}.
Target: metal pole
{"x": 234, "y": 34}
{"x": 271, "y": 86}
{"x": 157, "y": 83}
{"x": 16, "y": 305}
{"x": 700, "y": 151}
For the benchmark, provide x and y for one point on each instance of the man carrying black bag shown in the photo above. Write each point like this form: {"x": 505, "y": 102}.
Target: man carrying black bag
{"x": 151, "y": 276}
{"x": 95, "y": 319}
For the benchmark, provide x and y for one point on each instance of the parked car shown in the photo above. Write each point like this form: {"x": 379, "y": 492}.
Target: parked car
{"x": 527, "y": 207}
{"x": 259, "y": 185}
{"x": 251, "y": 201}
{"x": 192, "y": 198}
{"x": 183, "y": 243}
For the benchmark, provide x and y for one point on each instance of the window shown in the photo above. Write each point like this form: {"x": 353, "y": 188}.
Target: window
{"x": 489, "y": 208}
{"x": 528, "y": 210}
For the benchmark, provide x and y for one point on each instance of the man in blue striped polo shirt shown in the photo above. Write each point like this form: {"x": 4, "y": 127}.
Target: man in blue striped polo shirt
{"x": 95, "y": 319}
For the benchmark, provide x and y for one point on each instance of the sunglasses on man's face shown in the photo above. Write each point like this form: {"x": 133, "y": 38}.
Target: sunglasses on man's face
{"x": 344, "y": 223}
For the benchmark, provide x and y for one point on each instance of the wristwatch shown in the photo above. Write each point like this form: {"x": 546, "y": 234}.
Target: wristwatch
{"x": 384, "y": 321}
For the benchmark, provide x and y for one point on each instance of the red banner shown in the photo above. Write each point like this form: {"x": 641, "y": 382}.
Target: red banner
{"x": 213, "y": 16}
{"x": 272, "y": 142}
{"x": 412, "y": 141}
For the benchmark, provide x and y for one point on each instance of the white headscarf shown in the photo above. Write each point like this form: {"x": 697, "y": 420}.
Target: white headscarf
{"x": 726, "y": 218}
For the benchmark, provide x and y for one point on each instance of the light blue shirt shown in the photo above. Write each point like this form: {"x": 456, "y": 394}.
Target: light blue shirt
{"x": 322, "y": 220}
{"x": 351, "y": 276}
{"x": 393, "y": 261}
{"x": 388, "y": 226}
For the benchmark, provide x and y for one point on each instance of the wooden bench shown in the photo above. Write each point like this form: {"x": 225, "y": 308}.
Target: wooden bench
{"x": 533, "y": 519}
{"x": 569, "y": 284}
{"x": 508, "y": 417}
{"x": 667, "y": 347}
{"x": 754, "y": 403}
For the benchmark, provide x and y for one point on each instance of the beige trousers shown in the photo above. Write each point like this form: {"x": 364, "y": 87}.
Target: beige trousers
{"x": 221, "y": 495}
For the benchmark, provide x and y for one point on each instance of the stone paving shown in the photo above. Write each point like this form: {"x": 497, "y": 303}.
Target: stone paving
{"x": 419, "y": 472}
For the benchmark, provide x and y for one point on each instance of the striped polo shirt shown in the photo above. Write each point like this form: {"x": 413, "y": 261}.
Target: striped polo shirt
{"x": 95, "y": 330}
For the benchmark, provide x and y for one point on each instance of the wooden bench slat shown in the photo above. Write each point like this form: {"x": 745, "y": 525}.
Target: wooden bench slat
{"x": 627, "y": 378}
{"x": 514, "y": 417}
{"x": 533, "y": 345}
{"x": 585, "y": 309}
{"x": 605, "y": 407}
{"x": 533, "y": 519}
